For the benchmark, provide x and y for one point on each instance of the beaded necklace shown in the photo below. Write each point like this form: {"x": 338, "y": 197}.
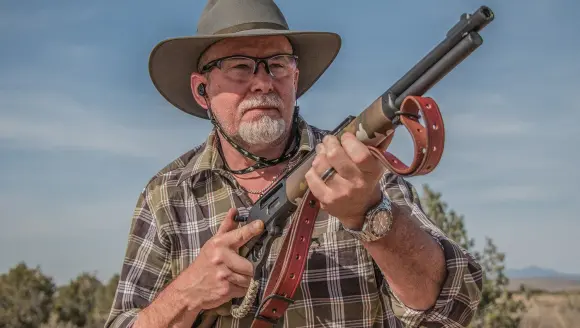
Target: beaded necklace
{"x": 263, "y": 190}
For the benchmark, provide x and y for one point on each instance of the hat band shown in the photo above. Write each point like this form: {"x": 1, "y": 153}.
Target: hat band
{"x": 251, "y": 26}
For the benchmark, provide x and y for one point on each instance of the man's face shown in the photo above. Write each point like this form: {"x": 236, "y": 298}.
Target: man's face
{"x": 256, "y": 110}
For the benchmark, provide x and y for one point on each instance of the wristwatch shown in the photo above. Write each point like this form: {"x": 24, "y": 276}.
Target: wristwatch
{"x": 378, "y": 222}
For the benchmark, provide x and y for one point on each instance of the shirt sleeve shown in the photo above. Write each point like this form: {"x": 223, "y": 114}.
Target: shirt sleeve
{"x": 461, "y": 291}
{"x": 146, "y": 267}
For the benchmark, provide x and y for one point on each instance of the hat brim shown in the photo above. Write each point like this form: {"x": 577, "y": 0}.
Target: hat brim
{"x": 173, "y": 60}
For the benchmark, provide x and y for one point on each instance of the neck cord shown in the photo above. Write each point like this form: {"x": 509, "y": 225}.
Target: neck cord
{"x": 261, "y": 162}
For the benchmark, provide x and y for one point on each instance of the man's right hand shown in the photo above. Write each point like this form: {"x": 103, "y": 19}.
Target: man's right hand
{"x": 219, "y": 273}
{"x": 216, "y": 276}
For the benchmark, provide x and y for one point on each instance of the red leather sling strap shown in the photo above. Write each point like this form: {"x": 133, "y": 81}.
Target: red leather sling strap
{"x": 290, "y": 263}
{"x": 289, "y": 266}
{"x": 428, "y": 140}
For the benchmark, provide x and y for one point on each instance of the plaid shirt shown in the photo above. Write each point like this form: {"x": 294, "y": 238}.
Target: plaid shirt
{"x": 183, "y": 205}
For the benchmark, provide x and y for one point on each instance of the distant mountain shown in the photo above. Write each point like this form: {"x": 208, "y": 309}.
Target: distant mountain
{"x": 537, "y": 272}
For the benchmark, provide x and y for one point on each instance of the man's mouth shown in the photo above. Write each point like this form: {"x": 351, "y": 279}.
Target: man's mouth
{"x": 264, "y": 108}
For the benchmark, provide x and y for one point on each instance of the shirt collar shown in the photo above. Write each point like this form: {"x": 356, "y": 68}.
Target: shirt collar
{"x": 209, "y": 158}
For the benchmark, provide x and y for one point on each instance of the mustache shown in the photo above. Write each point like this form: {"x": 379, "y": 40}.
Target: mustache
{"x": 270, "y": 100}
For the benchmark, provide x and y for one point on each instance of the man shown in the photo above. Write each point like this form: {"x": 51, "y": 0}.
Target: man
{"x": 245, "y": 71}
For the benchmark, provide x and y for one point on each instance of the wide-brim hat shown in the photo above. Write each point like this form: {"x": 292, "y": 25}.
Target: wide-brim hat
{"x": 173, "y": 60}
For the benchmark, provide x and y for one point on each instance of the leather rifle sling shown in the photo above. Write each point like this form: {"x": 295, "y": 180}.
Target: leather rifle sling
{"x": 290, "y": 264}
{"x": 428, "y": 140}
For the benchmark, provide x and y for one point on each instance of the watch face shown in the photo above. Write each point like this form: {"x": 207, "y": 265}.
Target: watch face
{"x": 377, "y": 224}
{"x": 381, "y": 223}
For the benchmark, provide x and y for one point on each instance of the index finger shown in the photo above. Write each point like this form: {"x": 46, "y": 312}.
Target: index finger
{"x": 339, "y": 159}
{"x": 228, "y": 223}
{"x": 238, "y": 237}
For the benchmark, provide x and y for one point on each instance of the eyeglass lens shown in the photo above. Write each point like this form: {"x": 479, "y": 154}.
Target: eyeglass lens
{"x": 242, "y": 68}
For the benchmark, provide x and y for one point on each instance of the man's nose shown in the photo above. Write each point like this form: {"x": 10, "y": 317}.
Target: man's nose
{"x": 262, "y": 81}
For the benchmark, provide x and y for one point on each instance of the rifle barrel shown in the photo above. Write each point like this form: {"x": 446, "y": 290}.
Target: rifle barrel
{"x": 451, "y": 59}
{"x": 467, "y": 24}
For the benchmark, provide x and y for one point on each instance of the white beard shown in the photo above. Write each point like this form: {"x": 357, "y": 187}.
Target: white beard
{"x": 265, "y": 130}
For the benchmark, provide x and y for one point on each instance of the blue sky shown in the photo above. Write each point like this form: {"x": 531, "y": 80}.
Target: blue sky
{"x": 82, "y": 128}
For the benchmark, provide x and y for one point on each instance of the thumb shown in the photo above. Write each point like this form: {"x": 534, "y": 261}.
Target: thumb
{"x": 239, "y": 237}
{"x": 228, "y": 224}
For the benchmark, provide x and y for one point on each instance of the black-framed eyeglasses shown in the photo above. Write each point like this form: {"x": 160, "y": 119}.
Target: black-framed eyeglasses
{"x": 242, "y": 68}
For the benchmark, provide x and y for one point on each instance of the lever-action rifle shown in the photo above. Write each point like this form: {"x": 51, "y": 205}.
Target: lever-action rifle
{"x": 374, "y": 126}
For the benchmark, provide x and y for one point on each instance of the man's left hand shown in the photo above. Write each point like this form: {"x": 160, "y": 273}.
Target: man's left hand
{"x": 354, "y": 187}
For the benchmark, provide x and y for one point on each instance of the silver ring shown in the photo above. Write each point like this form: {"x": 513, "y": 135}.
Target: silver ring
{"x": 327, "y": 174}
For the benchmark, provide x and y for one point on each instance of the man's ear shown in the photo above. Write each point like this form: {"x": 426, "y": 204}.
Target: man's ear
{"x": 296, "y": 77}
{"x": 198, "y": 85}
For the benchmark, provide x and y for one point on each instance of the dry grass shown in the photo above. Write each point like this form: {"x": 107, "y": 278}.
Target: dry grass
{"x": 552, "y": 310}
{"x": 552, "y": 302}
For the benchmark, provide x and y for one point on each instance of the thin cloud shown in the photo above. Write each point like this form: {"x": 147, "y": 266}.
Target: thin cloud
{"x": 484, "y": 115}
{"x": 514, "y": 193}
{"x": 101, "y": 214}
{"x": 48, "y": 121}
{"x": 481, "y": 125}
{"x": 23, "y": 19}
